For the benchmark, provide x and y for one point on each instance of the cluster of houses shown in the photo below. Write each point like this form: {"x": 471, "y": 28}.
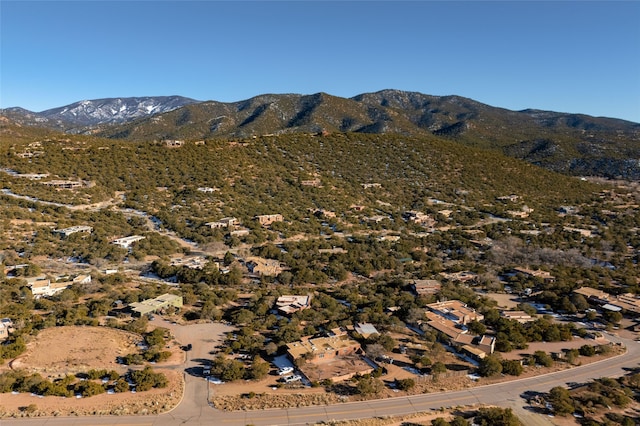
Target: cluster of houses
{"x": 419, "y": 218}
{"x": 232, "y": 224}
{"x": 628, "y": 302}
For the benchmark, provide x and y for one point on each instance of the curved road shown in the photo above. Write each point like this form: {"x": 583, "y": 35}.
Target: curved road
{"x": 194, "y": 409}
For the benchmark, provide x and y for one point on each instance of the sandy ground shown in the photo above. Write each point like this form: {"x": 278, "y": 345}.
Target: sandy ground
{"x": 505, "y": 301}
{"x": 153, "y": 401}
{"x": 550, "y": 347}
{"x": 69, "y": 350}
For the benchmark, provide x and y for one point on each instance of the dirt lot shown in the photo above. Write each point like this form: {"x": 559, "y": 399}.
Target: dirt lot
{"x": 68, "y": 350}
{"x": 505, "y": 301}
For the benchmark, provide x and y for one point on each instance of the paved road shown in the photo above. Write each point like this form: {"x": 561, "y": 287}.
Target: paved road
{"x": 195, "y": 411}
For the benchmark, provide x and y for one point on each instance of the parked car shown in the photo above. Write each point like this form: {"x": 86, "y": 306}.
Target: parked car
{"x": 284, "y": 371}
{"x": 293, "y": 378}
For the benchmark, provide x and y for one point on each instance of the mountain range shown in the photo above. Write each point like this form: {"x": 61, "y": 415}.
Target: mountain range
{"x": 575, "y": 144}
{"x": 78, "y": 116}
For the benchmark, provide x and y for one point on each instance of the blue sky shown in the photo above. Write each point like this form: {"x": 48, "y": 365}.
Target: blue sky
{"x": 566, "y": 56}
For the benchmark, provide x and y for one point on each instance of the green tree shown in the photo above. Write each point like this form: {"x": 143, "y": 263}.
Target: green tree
{"x": 561, "y": 401}
{"x": 490, "y": 366}
{"x": 459, "y": 421}
{"x": 477, "y": 327}
{"x": 121, "y": 385}
{"x": 405, "y": 384}
{"x": 512, "y": 367}
{"x": 543, "y": 358}
{"x": 146, "y": 379}
{"x": 369, "y": 386}
{"x": 259, "y": 369}
{"x": 438, "y": 368}
{"x": 495, "y": 416}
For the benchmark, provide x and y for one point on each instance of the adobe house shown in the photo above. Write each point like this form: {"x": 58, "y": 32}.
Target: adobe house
{"x": 426, "y": 287}
{"x": 155, "y": 305}
{"x": 455, "y": 311}
{"x": 335, "y": 358}
{"x": 268, "y": 219}
{"x": 288, "y": 304}
{"x": 320, "y": 349}
{"x": 225, "y": 222}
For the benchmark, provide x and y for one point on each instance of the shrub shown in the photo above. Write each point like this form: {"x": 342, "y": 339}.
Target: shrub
{"x": 405, "y": 384}
{"x": 490, "y": 366}
{"x": 133, "y": 359}
{"x": 88, "y": 388}
{"x": 146, "y": 379}
{"x": 121, "y": 386}
{"x": 512, "y": 367}
{"x": 587, "y": 350}
{"x": 156, "y": 356}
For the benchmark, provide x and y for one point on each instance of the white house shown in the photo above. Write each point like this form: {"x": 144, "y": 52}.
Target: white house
{"x": 127, "y": 241}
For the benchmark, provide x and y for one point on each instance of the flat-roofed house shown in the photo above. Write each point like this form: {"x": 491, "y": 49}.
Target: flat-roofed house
{"x": 419, "y": 218}
{"x": 156, "y": 304}
{"x": 365, "y": 329}
{"x": 324, "y": 348}
{"x": 262, "y": 266}
{"x": 6, "y": 328}
{"x": 629, "y": 302}
{"x": 455, "y": 311}
{"x": 335, "y": 358}
{"x": 535, "y": 273}
{"x": 42, "y": 286}
{"x": 63, "y": 184}
{"x": 593, "y": 294}
{"x": 225, "y": 222}
{"x": 426, "y": 287}
{"x": 268, "y": 219}
{"x": 287, "y": 305}
{"x": 73, "y": 229}
{"x": 520, "y": 316}
{"x": 127, "y": 241}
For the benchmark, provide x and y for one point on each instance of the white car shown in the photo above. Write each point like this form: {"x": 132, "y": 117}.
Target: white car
{"x": 294, "y": 378}
{"x": 285, "y": 370}
{"x": 214, "y": 380}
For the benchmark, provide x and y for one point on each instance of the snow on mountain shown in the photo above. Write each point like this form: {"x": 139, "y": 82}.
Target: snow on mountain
{"x": 113, "y": 110}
